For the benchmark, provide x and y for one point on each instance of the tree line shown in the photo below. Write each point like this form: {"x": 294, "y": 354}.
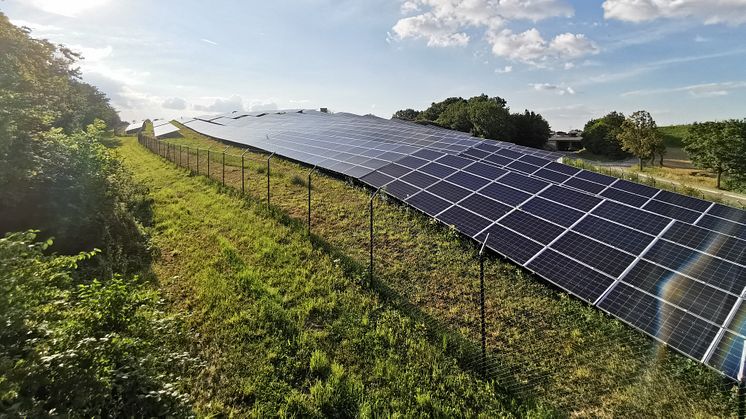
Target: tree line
{"x": 483, "y": 116}
{"x": 718, "y": 146}
{"x": 81, "y": 335}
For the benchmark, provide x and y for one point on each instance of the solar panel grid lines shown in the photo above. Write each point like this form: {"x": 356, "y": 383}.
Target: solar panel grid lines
{"x": 693, "y": 296}
{"x": 632, "y": 265}
{"x": 664, "y": 322}
{"x": 703, "y": 213}
{"x": 569, "y": 228}
{"x": 625, "y": 193}
{"x": 515, "y": 208}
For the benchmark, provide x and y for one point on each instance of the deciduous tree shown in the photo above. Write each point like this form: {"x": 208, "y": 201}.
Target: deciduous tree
{"x": 531, "y": 129}
{"x": 717, "y": 146}
{"x": 639, "y": 135}
{"x": 600, "y": 135}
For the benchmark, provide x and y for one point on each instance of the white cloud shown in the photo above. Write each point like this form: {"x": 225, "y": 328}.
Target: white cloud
{"x": 69, "y": 8}
{"x": 175, "y": 103}
{"x": 732, "y": 12}
{"x": 504, "y": 70}
{"x": 548, "y": 87}
{"x": 207, "y": 41}
{"x": 221, "y": 105}
{"x": 531, "y": 48}
{"x": 445, "y": 23}
{"x": 427, "y": 26}
{"x": 704, "y": 90}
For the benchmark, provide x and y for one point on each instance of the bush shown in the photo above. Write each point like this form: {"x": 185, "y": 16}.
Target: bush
{"x": 80, "y": 194}
{"x": 99, "y": 349}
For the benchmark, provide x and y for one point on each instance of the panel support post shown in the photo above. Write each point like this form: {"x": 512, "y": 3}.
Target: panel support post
{"x": 208, "y": 162}
{"x": 310, "y": 172}
{"x": 481, "y": 307}
{"x": 243, "y": 182}
{"x": 370, "y": 261}
{"x": 268, "y": 167}
{"x": 742, "y": 383}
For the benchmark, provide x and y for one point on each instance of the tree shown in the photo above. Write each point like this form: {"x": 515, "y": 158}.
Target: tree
{"x": 436, "y": 108}
{"x": 531, "y": 129}
{"x": 491, "y": 120}
{"x": 456, "y": 117}
{"x": 639, "y": 135}
{"x": 600, "y": 135}
{"x": 483, "y": 116}
{"x": 717, "y": 146}
{"x": 406, "y": 114}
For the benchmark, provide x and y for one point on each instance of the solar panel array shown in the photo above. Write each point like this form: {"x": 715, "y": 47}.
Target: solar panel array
{"x": 668, "y": 264}
{"x": 164, "y": 128}
{"x": 133, "y": 127}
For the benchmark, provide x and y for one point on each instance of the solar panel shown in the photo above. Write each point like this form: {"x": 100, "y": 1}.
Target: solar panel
{"x": 670, "y": 265}
{"x": 165, "y": 129}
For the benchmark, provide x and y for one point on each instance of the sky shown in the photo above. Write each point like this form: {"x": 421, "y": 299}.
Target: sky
{"x": 570, "y": 60}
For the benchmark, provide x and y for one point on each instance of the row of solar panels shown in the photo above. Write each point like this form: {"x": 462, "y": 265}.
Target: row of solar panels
{"x": 670, "y": 265}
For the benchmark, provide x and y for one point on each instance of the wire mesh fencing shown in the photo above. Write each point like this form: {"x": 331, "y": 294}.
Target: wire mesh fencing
{"x": 539, "y": 343}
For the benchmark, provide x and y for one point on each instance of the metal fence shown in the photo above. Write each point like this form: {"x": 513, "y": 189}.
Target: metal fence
{"x": 471, "y": 317}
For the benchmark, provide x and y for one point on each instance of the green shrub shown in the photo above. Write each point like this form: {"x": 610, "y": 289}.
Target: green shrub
{"x": 99, "y": 349}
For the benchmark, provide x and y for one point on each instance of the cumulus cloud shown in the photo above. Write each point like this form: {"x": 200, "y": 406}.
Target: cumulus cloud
{"x": 438, "y": 33}
{"x": 531, "y": 48}
{"x": 222, "y": 105}
{"x": 174, "y": 103}
{"x": 504, "y": 70}
{"x": 548, "y": 87}
{"x": 449, "y": 23}
{"x": 732, "y": 12}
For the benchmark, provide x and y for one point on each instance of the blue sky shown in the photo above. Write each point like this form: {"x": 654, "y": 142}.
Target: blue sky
{"x": 682, "y": 60}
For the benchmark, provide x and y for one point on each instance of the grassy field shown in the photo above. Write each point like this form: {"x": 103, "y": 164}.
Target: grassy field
{"x": 283, "y": 327}
{"x": 677, "y": 173}
{"x": 543, "y": 344}
{"x": 674, "y": 135}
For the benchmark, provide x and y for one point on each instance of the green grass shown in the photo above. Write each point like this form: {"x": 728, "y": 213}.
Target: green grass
{"x": 674, "y": 135}
{"x": 284, "y": 327}
{"x": 547, "y": 345}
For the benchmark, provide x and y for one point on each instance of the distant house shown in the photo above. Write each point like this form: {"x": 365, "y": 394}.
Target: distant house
{"x": 566, "y": 141}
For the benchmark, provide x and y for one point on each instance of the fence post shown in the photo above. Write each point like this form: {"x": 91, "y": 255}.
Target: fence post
{"x": 310, "y": 172}
{"x": 242, "y": 171}
{"x": 268, "y": 159}
{"x": 180, "y": 153}
{"x": 370, "y": 262}
{"x": 188, "y": 165}
{"x": 208, "y": 161}
{"x": 742, "y": 384}
{"x": 481, "y": 307}
{"x": 197, "y": 160}
{"x": 226, "y": 147}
